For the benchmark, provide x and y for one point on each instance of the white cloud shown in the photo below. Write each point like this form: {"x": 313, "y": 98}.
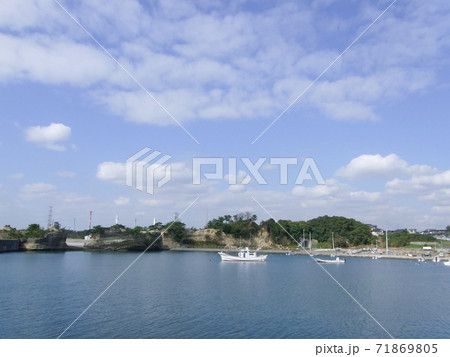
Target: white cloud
{"x": 49, "y": 136}
{"x": 378, "y": 166}
{"x": 422, "y": 184}
{"x": 21, "y": 15}
{"x": 223, "y": 64}
{"x": 112, "y": 171}
{"x": 122, "y": 201}
{"x": 18, "y": 176}
{"x": 52, "y": 61}
{"x": 37, "y": 191}
{"x": 365, "y": 196}
{"x": 330, "y": 188}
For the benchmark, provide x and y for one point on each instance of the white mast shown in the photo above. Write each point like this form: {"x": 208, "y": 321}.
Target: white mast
{"x": 310, "y": 243}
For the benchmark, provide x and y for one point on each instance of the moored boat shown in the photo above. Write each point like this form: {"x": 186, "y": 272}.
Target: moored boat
{"x": 447, "y": 263}
{"x": 244, "y": 255}
{"x": 331, "y": 261}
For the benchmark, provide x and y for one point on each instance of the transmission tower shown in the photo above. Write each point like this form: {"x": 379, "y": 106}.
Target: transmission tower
{"x": 50, "y": 218}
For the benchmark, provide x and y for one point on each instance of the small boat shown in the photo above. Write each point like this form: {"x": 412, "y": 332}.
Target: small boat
{"x": 421, "y": 259}
{"x": 289, "y": 252}
{"x": 331, "y": 261}
{"x": 244, "y": 255}
{"x": 447, "y": 263}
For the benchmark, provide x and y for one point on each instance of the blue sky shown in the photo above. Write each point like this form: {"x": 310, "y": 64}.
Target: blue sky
{"x": 376, "y": 123}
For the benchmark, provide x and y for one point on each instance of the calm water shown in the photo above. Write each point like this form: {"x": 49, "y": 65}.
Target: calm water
{"x": 194, "y": 295}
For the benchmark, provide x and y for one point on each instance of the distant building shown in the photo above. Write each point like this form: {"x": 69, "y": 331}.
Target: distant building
{"x": 433, "y": 232}
{"x": 436, "y": 233}
{"x": 375, "y": 230}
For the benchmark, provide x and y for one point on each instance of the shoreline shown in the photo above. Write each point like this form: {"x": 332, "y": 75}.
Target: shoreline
{"x": 397, "y": 253}
{"x": 394, "y": 253}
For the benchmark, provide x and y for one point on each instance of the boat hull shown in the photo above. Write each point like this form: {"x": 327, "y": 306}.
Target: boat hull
{"x": 233, "y": 258}
{"x": 326, "y": 261}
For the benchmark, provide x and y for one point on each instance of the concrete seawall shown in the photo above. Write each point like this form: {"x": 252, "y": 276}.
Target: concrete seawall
{"x": 9, "y": 245}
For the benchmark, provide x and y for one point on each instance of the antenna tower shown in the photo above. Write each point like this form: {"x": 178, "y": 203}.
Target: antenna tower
{"x": 50, "y": 218}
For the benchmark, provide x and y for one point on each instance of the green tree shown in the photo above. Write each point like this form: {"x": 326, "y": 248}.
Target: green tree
{"x": 98, "y": 230}
{"x": 177, "y": 230}
{"x": 350, "y": 231}
{"x": 14, "y": 233}
{"x": 34, "y": 231}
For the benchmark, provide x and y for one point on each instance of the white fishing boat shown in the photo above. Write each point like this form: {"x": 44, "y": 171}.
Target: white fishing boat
{"x": 244, "y": 255}
{"x": 331, "y": 261}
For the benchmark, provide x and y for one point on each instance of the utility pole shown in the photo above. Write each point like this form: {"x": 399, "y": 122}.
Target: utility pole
{"x": 387, "y": 242}
{"x": 90, "y": 220}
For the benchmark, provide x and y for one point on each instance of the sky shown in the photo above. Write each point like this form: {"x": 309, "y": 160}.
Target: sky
{"x": 359, "y": 88}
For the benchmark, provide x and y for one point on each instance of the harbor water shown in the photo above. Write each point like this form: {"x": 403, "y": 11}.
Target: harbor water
{"x": 194, "y": 295}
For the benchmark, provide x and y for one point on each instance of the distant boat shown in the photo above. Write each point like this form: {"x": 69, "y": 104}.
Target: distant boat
{"x": 447, "y": 263}
{"x": 331, "y": 261}
{"x": 244, "y": 255}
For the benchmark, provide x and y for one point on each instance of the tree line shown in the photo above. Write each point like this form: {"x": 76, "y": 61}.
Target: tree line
{"x": 346, "y": 231}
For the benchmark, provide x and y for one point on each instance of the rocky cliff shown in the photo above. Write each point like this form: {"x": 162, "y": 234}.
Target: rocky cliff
{"x": 51, "y": 241}
{"x": 214, "y": 238}
{"x": 125, "y": 243}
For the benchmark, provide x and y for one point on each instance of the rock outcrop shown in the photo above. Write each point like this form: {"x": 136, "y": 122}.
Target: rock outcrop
{"x": 125, "y": 243}
{"x": 214, "y": 238}
{"x": 51, "y": 241}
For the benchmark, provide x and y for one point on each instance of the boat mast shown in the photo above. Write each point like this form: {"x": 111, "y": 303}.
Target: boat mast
{"x": 332, "y": 239}
{"x": 310, "y": 243}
